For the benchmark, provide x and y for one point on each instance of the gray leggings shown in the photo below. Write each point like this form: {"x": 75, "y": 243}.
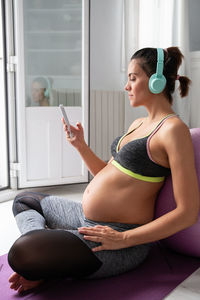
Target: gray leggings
{"x": 61, "y": 213}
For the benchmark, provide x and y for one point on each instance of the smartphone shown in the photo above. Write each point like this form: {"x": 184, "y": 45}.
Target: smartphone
{"x": 65, "y": 118}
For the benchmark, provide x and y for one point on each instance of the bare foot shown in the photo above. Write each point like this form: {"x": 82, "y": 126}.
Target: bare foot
{"x": 21, "y": 284}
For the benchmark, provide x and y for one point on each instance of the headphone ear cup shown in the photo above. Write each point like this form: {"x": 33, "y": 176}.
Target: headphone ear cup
{"x": 46, "y": 93}
{"x": 157, "y": 84}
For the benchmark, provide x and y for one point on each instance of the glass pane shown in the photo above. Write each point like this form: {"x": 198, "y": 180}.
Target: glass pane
{"x": 3, "y": 127}
{"x": 53, "y": 52}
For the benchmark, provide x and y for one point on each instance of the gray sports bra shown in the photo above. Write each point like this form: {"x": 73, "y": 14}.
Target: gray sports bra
{"x": 134, "y": 158}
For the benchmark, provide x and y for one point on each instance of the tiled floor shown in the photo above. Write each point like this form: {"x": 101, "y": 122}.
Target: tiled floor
{"x": 187, "y": 290}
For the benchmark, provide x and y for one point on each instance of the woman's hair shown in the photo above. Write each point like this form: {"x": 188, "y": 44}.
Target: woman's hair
{"x": 172, "y": 60}
{"x": 42, "y": 81}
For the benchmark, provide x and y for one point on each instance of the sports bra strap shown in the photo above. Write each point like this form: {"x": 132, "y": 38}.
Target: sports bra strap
{"x": 155, "y": 130}
{"x": 161, "y": 123}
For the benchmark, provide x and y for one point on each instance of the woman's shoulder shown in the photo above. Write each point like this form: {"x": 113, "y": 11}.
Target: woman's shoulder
{"x": 174, "y": 129}
{"x": 175, "y": 124}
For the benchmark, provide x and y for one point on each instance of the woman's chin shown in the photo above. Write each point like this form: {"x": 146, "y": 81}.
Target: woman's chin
{"x": 133, "y": 103}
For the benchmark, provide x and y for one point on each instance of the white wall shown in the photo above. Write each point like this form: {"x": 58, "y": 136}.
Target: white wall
{"x": 106, "y": 78}
{"x": 105, "y": 45}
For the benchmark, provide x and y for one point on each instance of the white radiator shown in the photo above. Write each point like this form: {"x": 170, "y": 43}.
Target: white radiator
{"x": 106, "y": 120}
{"x": 67, "y": 97}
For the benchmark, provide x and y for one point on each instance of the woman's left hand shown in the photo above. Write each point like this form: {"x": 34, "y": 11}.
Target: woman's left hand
{"x": 109, "y": 238}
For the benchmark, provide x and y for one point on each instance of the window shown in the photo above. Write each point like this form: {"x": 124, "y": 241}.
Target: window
{"x": 3, "y": 123}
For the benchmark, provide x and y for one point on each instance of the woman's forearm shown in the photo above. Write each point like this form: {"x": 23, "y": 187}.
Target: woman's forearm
{"x": 92, "y": 161}
{"x": 158, "y": 229}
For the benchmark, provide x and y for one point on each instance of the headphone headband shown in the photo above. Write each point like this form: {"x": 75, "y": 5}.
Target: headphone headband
{"x": 48, "y": 82}
{"x": 160, "y": 61}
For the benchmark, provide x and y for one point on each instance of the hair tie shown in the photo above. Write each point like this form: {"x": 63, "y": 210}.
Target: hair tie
{"x": 177, "y": 77}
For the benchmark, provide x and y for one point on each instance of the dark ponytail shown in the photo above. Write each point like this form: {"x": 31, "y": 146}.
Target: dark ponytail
{"x": 172, "y": 63}
{"x": 184, "y": 85}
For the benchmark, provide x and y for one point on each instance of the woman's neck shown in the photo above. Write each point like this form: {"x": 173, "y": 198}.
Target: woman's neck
{"x": 158, "y": 108}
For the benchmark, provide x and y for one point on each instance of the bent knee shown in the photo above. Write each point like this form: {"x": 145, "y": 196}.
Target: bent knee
{"x": 17, "y": 254}
{"x": 23, "y": 252}
{"x": 18, "y": 203}
{"x": 27, "y": 200}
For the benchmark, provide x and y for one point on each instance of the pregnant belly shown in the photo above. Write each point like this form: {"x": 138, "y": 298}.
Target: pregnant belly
{"x": 115, "y": 197}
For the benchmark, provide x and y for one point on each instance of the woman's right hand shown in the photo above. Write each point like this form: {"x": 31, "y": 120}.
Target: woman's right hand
{"x": 77, "y": 138}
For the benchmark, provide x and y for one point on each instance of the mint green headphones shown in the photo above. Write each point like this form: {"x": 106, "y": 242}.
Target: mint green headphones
{"x": 157, "y": 81}
{"x": 48, "y": 88}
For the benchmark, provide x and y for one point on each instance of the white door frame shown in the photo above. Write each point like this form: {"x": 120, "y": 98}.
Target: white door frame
{"x": 20, "y": 164}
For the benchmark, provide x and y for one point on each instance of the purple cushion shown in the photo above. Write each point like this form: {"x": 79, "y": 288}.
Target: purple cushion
{"x": 186, "y": 241}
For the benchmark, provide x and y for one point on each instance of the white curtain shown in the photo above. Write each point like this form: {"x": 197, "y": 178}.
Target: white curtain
{"x": 180, "y": 38}
{"x": 157, "y": 23}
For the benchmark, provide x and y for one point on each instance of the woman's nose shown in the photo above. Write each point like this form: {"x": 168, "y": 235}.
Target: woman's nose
{"x": 127, "y": 87}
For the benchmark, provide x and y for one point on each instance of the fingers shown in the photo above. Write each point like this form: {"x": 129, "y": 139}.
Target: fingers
{"x": 97, "y": 228}
{"x": 65, "y": 127}
{"x": 15, "y": 286}
{"x": 72, "y": 131}
{"x": 78, "y": 124}
{"x": 92, "y": 230}
{"x": 93, "y": 238}
{"x": 21, "y": 289}
{"x": 107, "y": 237}
{"x": 14, "y": 277}
{"x": 14, "y": 281}
{"x": 99, "y": 248}
{"x": 69, "y": 134}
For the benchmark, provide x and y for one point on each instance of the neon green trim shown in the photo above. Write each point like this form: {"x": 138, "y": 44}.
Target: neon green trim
{"x": 117, "y": 149}
{"x": 135, "y": 175}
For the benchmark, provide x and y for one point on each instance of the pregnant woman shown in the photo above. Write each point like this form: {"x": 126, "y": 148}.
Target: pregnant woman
{"x": 111, "y": 231}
